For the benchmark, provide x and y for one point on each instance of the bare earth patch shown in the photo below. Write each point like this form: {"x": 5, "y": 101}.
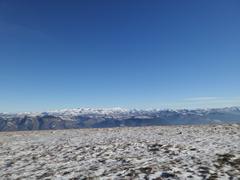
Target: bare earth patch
{"x": 163, "y": 152}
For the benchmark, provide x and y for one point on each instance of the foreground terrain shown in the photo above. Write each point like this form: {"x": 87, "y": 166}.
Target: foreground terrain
{"x": 161, "y": 152}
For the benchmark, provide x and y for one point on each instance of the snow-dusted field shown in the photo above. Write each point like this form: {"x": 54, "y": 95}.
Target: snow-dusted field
{"x": 167, "y": 152}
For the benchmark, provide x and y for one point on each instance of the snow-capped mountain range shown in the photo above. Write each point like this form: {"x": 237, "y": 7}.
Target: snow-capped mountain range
{"x": 114, "y": 117}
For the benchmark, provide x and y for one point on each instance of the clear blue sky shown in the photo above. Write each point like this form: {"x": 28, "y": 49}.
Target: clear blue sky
{"x": 119, "y": 53}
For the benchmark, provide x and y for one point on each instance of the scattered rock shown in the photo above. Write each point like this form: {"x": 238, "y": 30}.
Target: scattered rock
{"x": 122, "y": 153}
{"x": 167, "y": 175}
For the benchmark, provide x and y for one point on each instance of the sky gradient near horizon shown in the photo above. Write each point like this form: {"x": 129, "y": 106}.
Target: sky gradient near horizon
{"x": 123, "y": 53}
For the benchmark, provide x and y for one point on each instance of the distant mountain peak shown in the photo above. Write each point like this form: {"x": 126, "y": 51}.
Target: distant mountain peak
{"x": 115, "y": 117}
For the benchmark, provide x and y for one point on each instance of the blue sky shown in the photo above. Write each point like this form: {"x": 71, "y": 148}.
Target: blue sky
{"x": 131, "y": 54}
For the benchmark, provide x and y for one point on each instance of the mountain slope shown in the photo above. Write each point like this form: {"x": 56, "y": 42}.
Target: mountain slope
{"x": 116, "y": 117}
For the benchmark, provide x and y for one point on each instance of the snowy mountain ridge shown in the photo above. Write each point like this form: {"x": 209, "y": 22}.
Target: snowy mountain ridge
{"x": 118, "y": 110}
{"x": 115, "y": 117}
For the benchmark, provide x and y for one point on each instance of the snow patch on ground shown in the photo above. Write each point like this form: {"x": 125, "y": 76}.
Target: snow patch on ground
{"x": 160, "y": 152}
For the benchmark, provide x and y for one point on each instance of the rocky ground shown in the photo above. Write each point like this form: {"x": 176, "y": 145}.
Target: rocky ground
{"x": 163, "y": 152}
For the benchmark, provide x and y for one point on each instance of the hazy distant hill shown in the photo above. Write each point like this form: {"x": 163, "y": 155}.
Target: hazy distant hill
{"x": 115, "y": 117}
